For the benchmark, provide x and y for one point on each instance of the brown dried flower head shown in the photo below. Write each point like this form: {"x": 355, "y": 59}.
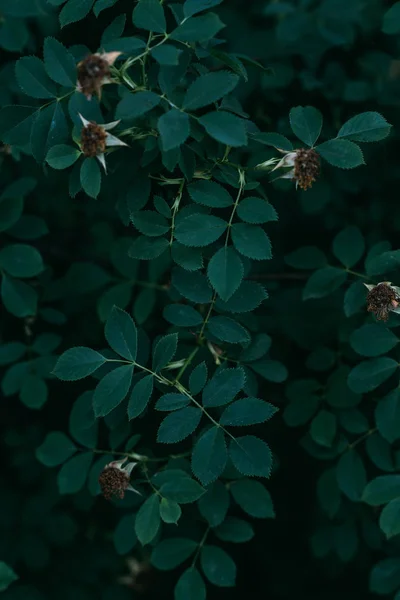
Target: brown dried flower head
{"x": 306, "y": 167}
{"x": 114, "y": 479}
{"x": 93, "y": 139}
{"x": 382, "y": 299}
{"x": 94, "y": 72}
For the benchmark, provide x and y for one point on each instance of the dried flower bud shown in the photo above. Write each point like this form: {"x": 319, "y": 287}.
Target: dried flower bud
{"x": 94, "y": 72}
{"x": 306, "y": 167}
{"x": 382, "y": 299}
{"x": 93, "y": 139}
{"x": 114, "y": 479}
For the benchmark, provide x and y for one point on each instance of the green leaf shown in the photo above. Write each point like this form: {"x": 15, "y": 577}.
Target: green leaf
{"x": 228, "y": 330}
{"x": 209, "y": 193}
{"x": 149, "y": 15}
{"x": 192, "y": 7}
{"x": 16, "y": 124}
{"x": 18, "y": 297}
{"x": 82, "y": 423}
{"x": 166, "y": 55}
{"x": 276, "y": 140}
{"x": 247, "y": 298}
{"x": 385, "y": 576}
{"x": 251, "y": 241}
{"x": 209, "y": 88}
{"x": 77, "y": 363}
{"x": 75, "y": 10}
{"x": 62, "y": 156}
{"x": 120, "y": 332}
{"x": 190, "y": 259}
{"x": 72, "y": 476}
{"x": 193, "y": 286}
{"x": 7, "y": 576}
{"x": 381, "y": 490}
{"x": 146, "y": 248}
{"x": 190, "y": 586}
{"x": 256, "y": 211}
{"x": 140, "y": 396}
{"x": 306, "y": 123}
{"x": 351, "y": 475}
{"x": 225, "y": 272}
{"x": 387, "y": 416}
{"x": 147, "y": 521}
{"x": 91, "y": 177}
{"x": 198, "y": 29}
{"x": 253, "y": 498}
{"x": 102, "y": 5}
{"x": 59, "y": 63}
{"x": 198, "y": 378}
{"x": 209, "y": 455}
{"x": 247, "y": 411}
{"x": 112, "y": 390}
{"x": 169, "y": 554}
{"x": 214, "y": 505}
{"x": 389, "y": 520}
{"x": 373, "y": 339}
{"x": 136, "y": 105}
{"x": 32, "y": 78}
{"x": 225, "y": 128}
{"x": 183, "y": 490}
{"x": 20, "y": 260}
{"x": 182, "y": 315}
{"x": 251, "y": 456}
{"x": 323, "y": 428}
{"x": 170, "y": 511}
{"x": 235, "y": 530}
{"x": 164, "y": 351}
{"x": 34, "y": 392}
{"x": 271, "y": 370}
{"x": 349, "y": 246}
{"x": 55, "y": 449}
{"x": 223, "y": 387}
{"x": 323, "y": 282}
{"x": 172, "y": 401}
{"x": 306, "y": 257}
{"x": 391, "y": 20}
{"x": 199, "y": 230}
{"x": 179, "y": 425}
{"x": 174, "y": 128}
{"x": 11, "y": 352}
{"x": 218, "y": 566}
{"x": 124, "y": 534}
{"x": 341, "y": 153}
{"x": 365, "y": 127}
{"x": 49, "y": 129}
{"x": 369, "y": 374}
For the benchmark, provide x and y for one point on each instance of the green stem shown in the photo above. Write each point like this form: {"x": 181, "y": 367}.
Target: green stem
{"x": 175, "y": 209}
{"x": 187, "y": 363}
{"x": 200, "y": 546}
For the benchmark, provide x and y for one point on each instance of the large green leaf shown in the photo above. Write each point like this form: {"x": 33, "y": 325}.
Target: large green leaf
{"x": 112, "y": 390}
{"x": 251, "y": 456}
{"x": 121, "y": 334}
{"x": 365, "y": 127}
{"x": 179, "y": 425}
{"x": 225, "y": 272}
{"x": 77, "y": 363}
{"x": 225, "y": 128}
{"x": 147, "y": 521}
{"x": 59, "y": 63}
{"x": 209, "y": 88}
{"x": 306, "y": 123}
{"x": 209, "y": 456}
{"x": 149, "y": 15}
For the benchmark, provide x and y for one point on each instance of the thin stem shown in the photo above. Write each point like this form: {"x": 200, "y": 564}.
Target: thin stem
{"x": 242, "y": 181}
{"x": 201, "y": 334}
{"x": 361, "y": 439}
{"x": 141, "y": 457}
{"x": 200, "y": 546}
{"x": 187, "y": 363}
{"x": 175, "y": 209}
{"x": 358, "y": 274}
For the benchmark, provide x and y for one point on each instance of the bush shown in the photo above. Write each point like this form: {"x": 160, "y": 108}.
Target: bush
{"x": 167, "y": 343}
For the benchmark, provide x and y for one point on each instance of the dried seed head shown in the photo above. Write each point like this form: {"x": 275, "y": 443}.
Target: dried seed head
{"x": 93, "y": 139}
{"x": 306, "y": 167}
{"x": 113, "y": 482}
{"x": 381, "y": 299}
{"x": 92, "y": 71}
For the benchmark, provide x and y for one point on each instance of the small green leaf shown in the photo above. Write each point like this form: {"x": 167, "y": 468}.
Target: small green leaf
{"x": 387, "y": 416}
{"x": 391, "y": 20}
{"x": 349, "y": 246}
{"x": 140, "y": 396}
{"x": 341, "y": 153}
{"x": 198, "y": 378}
{"x": 373, "y": 339}
{"x": 136, "y": 104}
{"x": 174, "y": 128}
{"x": 193, "y": 286}
{"x": 247, "y": 298}
{"x": 170, "y": 511}
{"x": 306, "y": 123}
{"x": 75, "y": 10}
{"x": 73, "y": 474}
{"x": 199, "y": 230}
{"x": 7, "y": 576}
{"x": 225, "y": 272}
{"x": 225, "y": 128}
{"x": 77, "y": 363}
{"x": 182, "y": 315}
{"x": 256, "y": 211}
{"x": 218, "y": 566}
{"x": 235, "y": 530}
{"x": 228, "y": 330}
{"x": 198, "y": 29}
{"x": 253, "y": 498}
{"x": 381, "y": 490}
{"x": 55, "y": 449}
{"x": 124, "y": 534}
{"x": 370, "y": 374}
{"x": 365, "y": 127}
{"x": 251, "y": 241}
{"x": 251, "y": 456}
{"x": 247, "y": 411}
{"x": 34, "y": 392}
{"x": 190, "y": 586}
{"x": 59, "y": 63}
{"x": 179, "y": 425}
{"x": 385, "y": 576}
{"x": 90, "y": 177}
{"x": 146, "y": 248}
{"x": 62, "y": 156}
{"x": 16, "y": 124}
{"x": 183, "y": 490}
{"x": 18, "y": 297}
{"x": 169, "y": 554}
{"x": 192, "y": 7}
{"x": 209, "y": 193}
{"x": 102, "y": 5}
{"x": 223, "y": 387}
{"x": 112, "y": 390}
{"x": 389, "y": 520}
{"x": 50, "y": 128}
{"x": 149, "y": 15}
{"x": 323, "y": 282}
{"x": 166, "y": 55}
{"x": 209, "y": 456}
{"x": 164, "y": 351}
{"x": 21, "y": 260}
{"x": 209, "y": 88}
{"x": 121, "y": 334}
{"x": 214, "y": 505}
{"x": 323, "y": 428}
{"x": 33, "y": 79}
{"x": 147, "y": 521}
{"x": 172, "y": 401}
{"x": 351, "y": 475}
{"x": 306, "y": 257}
